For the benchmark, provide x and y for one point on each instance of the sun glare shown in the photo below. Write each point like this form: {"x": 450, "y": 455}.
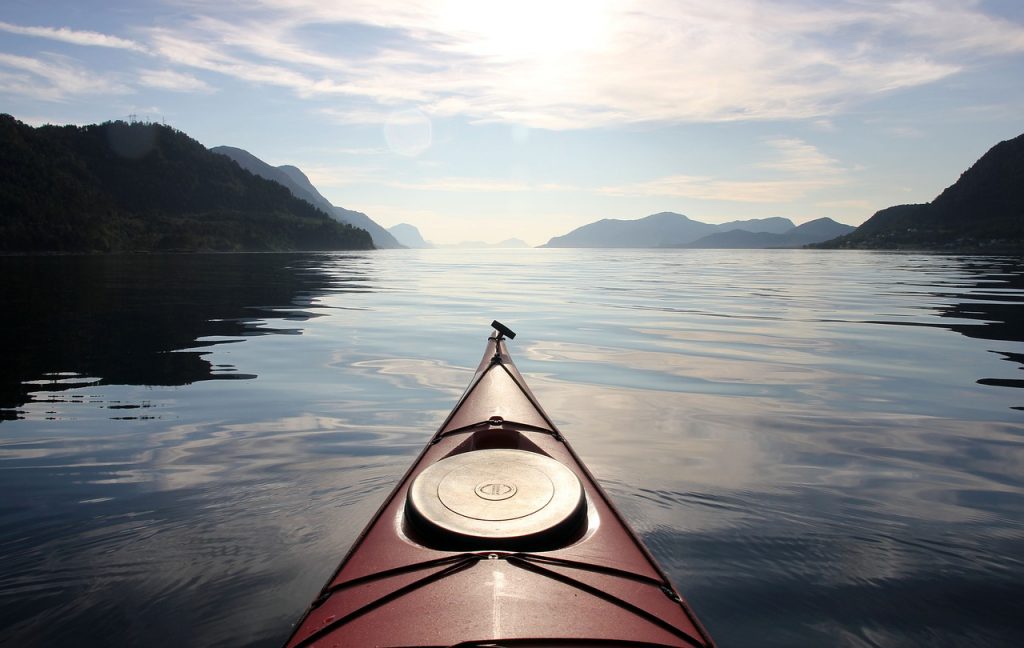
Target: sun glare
{"x": 528, "y": 29}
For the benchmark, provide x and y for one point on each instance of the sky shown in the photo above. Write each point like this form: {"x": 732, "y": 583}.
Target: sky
{"x": 477, "y": 120}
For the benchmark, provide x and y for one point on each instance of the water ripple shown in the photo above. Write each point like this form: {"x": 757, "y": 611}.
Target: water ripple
{"x": 822, "y": 449}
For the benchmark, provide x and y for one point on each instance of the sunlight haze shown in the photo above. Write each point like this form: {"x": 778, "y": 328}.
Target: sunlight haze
{"x": 488, "y": 121}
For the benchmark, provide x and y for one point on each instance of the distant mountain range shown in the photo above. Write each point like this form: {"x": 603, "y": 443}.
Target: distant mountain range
{"x": 982, "y": 211}
{"x": 668, "y": 229}
{"x": 813, "y": 231}
{"x": 121, "y": 186}
{"x": 300, "y": 186}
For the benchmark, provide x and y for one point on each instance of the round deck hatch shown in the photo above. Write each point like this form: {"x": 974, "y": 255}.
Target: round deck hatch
{"x": 496, "y": 497}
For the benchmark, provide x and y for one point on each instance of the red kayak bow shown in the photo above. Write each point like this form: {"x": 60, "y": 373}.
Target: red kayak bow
{"x": 498, "y": 535}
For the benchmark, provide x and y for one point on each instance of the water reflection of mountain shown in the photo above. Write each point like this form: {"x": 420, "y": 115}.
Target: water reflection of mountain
{"x": 992, "y": 299}
{"x": 74, "y": 320}
{"x": 993, "y": 295}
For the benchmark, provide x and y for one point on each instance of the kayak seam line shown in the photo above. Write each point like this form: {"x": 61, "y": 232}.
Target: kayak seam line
{"x": 593, "y": 591}
{"x": 396, "y": 571}
{"x": 467, "y": 561}
{"x": 582, "y": 566}
{"x": 529, "y": 396}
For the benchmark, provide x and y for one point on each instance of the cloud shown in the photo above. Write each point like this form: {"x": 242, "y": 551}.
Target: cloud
{"x": 171, "y": 80}
{"x": 804, "y": 170}
{"x": 905, "y": 132}
{"x": 793, "y": 170}
{"x": 481, "y": 185}
{"x": 338, "y": 176}
{"x": 368, "y": 150}
{"x": 594, "y": 63}
{"x": 571, "y": 64}
{"x": 53, "y": 78}
{"x": 207, "y": 55}
{"x": 859, "y": 204}
{"x": 797, "y": 157}
{"x": 65, "y": 35}
{"x": 324, "y": 176}
{"x": 266, "y": 62}
{"x": 708, "y": 188}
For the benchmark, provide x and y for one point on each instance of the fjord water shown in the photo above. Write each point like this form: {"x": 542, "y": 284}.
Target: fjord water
{"x": 821, "y": 448}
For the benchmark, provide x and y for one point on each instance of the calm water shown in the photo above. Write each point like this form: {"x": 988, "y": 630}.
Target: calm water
{"x": 821, "y": 448}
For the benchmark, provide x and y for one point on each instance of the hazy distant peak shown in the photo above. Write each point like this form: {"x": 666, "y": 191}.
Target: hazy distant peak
{"x": 774, "y": 225}
{"x": 655, "y": 230}
{"x": 815, "y": 231}
{"x": 299, "y": 185}
{"x": 295, "y": 173}
{"x": 824, "y": 224}
{"x": 409, "y": 236}
{"x": 512, "y": 243}
{"x": 669, "y": 229}
{"x": 233, "y": 150}
{"x": 255, "y": 165}
{"x": 247, "y": 161}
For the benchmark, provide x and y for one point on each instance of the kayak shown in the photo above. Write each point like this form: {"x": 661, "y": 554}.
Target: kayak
{"x": 498, "y": 535}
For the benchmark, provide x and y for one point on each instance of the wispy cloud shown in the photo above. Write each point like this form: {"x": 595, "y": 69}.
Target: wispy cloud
{"x": 481, "y": 185}
{"x": 799, "y": 167}
{"x": 326, "y": 176}
{"x": 854, "y": 203}
{"x": 796, "y": 157}
{"x": 53, "y": 78}
{"x": 260, "y": 61}
{"x": 708, "y": 188}
{"x": 172, "y": 80}
{"x": 355, "y": 150}
{"x": 75, "y": 37}
{"x": 595, "y": 63}
{"x": 792, "y": 169}
{"x": 345, "y": 175}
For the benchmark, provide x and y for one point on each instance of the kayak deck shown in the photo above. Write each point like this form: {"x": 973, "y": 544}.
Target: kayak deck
{"x": 487, "y": 542}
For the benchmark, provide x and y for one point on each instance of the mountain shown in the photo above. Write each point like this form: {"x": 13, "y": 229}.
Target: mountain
{"x": 982, "y": 211}
{"x": 656, "y": 230}
{"x": 814, "y": 231}
{"x": 821, "y": 229}
{"x": 381, "y": 237}
{"x": 511, "y": 244}
{"x": 300, "y": 186}
{"x": 774, "y": 225}
{"x": 409, "y": 236}
{"x": 665, "y": 229}
{"x": 136, "y": 186}
{"x": 258, "y": 167}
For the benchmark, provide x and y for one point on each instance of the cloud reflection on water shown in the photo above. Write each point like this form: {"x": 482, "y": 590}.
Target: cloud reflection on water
{"x": 801, "y": 438}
